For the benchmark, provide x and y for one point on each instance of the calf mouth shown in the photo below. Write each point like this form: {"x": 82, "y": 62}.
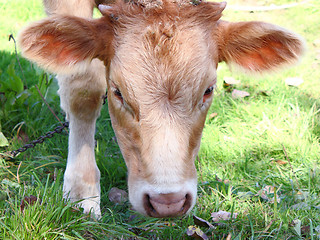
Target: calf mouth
{"x": 167, "y": 205}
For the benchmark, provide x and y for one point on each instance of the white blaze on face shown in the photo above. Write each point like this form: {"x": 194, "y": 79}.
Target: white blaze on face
{"x": 166, "y": 158}
{"x": 165, "y": 163}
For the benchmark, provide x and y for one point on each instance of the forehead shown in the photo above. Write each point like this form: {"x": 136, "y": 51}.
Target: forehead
{"x": 164, "y": 53}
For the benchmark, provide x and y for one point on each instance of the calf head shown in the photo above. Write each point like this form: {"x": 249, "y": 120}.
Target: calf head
{"x": 161, "y": 59}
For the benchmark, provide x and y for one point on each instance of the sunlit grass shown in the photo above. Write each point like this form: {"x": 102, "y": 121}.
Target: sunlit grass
{"x": 13, "y": 16}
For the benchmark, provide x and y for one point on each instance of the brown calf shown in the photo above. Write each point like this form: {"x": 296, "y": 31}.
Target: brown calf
{"x": 158, "y": 60}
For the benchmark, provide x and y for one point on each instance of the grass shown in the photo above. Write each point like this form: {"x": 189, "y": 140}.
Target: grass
{"x": 270, "y": 138}
{"x": 14, "y": 16}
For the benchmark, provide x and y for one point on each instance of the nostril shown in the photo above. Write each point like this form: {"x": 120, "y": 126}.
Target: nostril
{"x": 187, "y": 203}
{"x": 147, "y": 205}
{"x": 167, "y": 205}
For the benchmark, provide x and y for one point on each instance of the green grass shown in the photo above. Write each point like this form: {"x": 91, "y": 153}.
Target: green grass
{"x": 268, "y": 139}
{"x": 14, "y": 15}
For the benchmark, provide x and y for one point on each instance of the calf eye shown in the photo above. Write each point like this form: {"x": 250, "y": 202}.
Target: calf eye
{"x": 118, "y": 94}
{"x": 208, "y": 93}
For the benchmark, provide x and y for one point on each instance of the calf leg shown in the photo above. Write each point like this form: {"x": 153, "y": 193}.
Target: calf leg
{"x": 81, "y": 99}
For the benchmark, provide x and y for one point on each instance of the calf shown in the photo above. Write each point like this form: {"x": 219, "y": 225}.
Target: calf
{"x": 158, "y": 61}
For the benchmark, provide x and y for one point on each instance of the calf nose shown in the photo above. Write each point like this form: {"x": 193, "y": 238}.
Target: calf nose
{"x": 167, "y": 205}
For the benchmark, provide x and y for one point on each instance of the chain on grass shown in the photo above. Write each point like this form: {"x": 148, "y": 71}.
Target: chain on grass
{"x": 49, "y": 134}
{"x": 40, "y": 139}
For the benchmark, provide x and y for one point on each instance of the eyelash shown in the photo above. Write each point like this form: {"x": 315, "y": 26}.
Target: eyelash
{"x": 118, "y": 94}
{"x": 207, "y": 93}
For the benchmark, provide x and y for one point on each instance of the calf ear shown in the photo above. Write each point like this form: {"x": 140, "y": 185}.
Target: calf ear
{"x": 257, "y": 46}
{"x": 65, "y": 44}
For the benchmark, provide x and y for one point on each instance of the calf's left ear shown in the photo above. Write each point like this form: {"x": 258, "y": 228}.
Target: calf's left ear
{"x": 65, "y": 44}
{"x": 257, "y": 46}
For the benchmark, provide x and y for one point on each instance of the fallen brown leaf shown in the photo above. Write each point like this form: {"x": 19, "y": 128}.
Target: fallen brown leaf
{"x": 294, "y": 81}
{"x": 197, "y": 233}
{"x": 264, "y": 93}
{"x": 22, "y": 137}
{"x": 226, "y": 181}
{"x": 305, "y": 230}
{"x": 239, "y": 94}
{"x": 281, "y": 162}
{"x": 213, "y": 115}
{"x": 28, "y": 201}
{"x": 117, "y": 195}
{"x": 222, "y": 215}
{"x": 231, "y": 81}
{"x": 266, "y": 191}
{"x": 202, "y": 223}
{"x": 278, "y": 161}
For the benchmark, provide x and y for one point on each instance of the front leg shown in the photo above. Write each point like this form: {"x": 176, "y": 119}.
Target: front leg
{"x": 82, "y": 176}
{"x": 81, "y": 99}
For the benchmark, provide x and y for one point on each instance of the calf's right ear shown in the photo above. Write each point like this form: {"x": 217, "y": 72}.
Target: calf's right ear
{"x": 65, "y": 44}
